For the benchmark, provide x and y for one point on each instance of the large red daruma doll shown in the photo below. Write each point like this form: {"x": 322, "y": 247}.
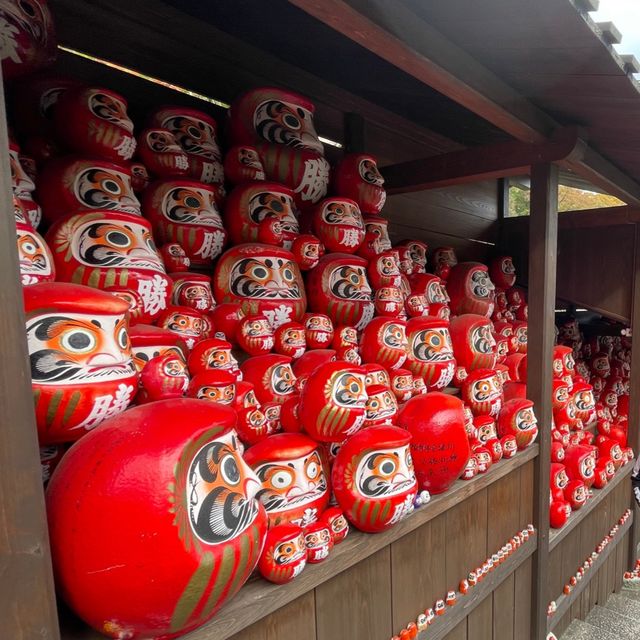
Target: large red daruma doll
{"x": 252, "y": 205}
{"x": 264, "y": 279}
{"x": 339, "y": 287}
{"x": 518, "y": 419}
{"x": 356, "y": 176}
{"x": 115, "y": 251}
{"x": 185, "y": 212}
{"x": 82, "y": 371}
{"x": 373, "y": 478}
{"x": 439, "y": 445}
{"x": 471, "y": 289}
{"x": 151, "y": 540}
{"x": 338, "y": 223}
{"x": 333, "y": 401}
{"x": 430, "y": 352}
{"x": 94, "y": 122}
{"x": 474, "y": 346}
{"x": 279, "y": 124}
{"x": 195, "y": 131}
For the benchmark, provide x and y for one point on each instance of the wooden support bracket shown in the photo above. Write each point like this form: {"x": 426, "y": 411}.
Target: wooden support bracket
{"x": 482, "y": 163}
{"x": 610, "y": 33}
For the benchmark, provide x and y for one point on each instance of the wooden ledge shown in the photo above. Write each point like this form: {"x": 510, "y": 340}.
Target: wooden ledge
{"x": 564, "y": 601}
{"x": 465, "y": 604}
{"x": 258, "y": 598}
{"x": 557, "y": 535}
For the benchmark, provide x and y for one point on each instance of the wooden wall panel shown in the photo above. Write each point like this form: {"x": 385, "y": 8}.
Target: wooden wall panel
{"x": 480, "y": 621}
{"x": 359, "y": 597}
{"x": 294, "y": 621}
{"x": 459, "y": 633}
{"x": 418, "y": 574}
{"x": 595, "y": 265}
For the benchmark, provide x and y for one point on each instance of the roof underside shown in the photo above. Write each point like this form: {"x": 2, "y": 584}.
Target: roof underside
{"x": 547, "y": 50}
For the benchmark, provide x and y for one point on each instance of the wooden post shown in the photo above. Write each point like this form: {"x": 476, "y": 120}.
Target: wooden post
{"x": 27, "y": 597}
{"x": 543, "y": 246}
{"x": 634, "y": 390}
{"x": 354, "y": 133}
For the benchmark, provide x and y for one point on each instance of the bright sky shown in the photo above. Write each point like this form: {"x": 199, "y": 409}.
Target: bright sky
{"x": 625, "y": 14}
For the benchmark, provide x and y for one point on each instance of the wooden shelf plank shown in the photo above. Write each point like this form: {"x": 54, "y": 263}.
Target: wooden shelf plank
{"x": 258, "y": 598}
{"x": 557, "y": 535}
{"x": 564, "y": 601}
{"x": 465, "y": 604}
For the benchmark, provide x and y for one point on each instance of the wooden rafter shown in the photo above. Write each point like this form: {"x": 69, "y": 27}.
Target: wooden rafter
{"x": 499, "y": 160}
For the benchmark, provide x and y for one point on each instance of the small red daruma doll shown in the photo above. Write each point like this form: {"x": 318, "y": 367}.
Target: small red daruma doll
{"x": 185, "y": 322}
{"x": 376, "y": 237}
{"x": 373, "y": 478}
{"x": 318, "y": 330}
{"x": 93, "y": 121}
{"x": 435, "y": 293}
{"x": 242, "y": 164}
{"x": 401, "y": 384}
{"x": 575, "y": 493}
{"x": 338, "y": 224}
{"x": 213, "y": 353}
{"x": 195, "y": 131}
{"x": 389, "y": 302}
{"x": 163, "y": 377}
{"x": 271, "y": 376}
{"x": 318, "y": 540}
{"x": 263, "y": 279}
{"x": 183, "y": 498}
{"x": 471, "y": 289}
{"x": 558, "y": 480}
{"x": 482, "y": 391}
{"x": 356, "y": 176}
{"x": 338, "y": 525}
{"x": 333, "y": 401}
{"x": 473, "y": 342}
{"x": 382, "y": 406}
{"x": 161, "y": 154}
{"x": 383, "y": 270}
{"x": 518, "y": 419}
{"x": 82, "y": 370}
{"x": 148, "y": 341}
{"x": 443, "y": 259}
{"x": 255, "y": 335}
{"x": 192, "y": 290}
{"x": 339, "y": 287}
{"x": 252, "y": 206}
{"x": 430, "y": 352}
{"x": 418, "y": 253}
{"x": 294, "y": 475}
{"x": 384, "y": 341}
{"x": 580, "y": 461}
{"x": 214, "y": 385}
{"x": 284, "y": 555}
{"x": 564, "y": 364}
{"x": 289, "y": 340}
{"x": 502, "y": 272}
{"x": 35, "y": 259}
{"x": 307, "y": 251}
{"x": 174, "y": 257}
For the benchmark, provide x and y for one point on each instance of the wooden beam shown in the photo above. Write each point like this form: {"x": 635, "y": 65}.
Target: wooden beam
{"x": 585, "y": 218}
{"x": 631, "y": 63}
{"x": 396, "y": 34}
{"x": 543, "y": 247}
{"x": 499, "y": 160}
{"x": 354, "y": 133}
{"x": 633, "y": 437}
{"x": 27, "y": 597}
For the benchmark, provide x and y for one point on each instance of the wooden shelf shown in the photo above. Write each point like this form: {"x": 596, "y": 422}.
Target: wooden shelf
{"x": 465, "y": 604}
{"x": 557, "y": 535}
{"x": 564, "y": 602}
{"x": 259, "y": 598}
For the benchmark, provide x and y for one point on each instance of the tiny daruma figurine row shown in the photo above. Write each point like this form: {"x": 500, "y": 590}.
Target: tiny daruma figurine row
{"x": 232, "y": 364}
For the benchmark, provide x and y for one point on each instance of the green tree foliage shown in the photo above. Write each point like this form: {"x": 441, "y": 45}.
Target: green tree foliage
{"x": 569, "y": 199}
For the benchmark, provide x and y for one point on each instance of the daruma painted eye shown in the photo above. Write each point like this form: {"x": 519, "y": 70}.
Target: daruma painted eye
{"x": 78, "y": 341}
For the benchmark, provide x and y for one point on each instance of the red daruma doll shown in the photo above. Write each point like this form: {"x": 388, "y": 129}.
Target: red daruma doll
{"x": 373, "y": 478}
{"x": 333, "y": 401}
{"x": 82, "y": 370}
{"x": 284, "y": 555}
{"x": 166, "y": 532}
{"x": 357, "y": 177}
